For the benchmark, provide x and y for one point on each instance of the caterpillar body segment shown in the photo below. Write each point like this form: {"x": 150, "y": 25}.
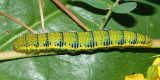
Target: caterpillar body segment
{"x": 75, "y": 41}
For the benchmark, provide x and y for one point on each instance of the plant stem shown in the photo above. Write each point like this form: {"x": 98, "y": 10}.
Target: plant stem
{"x": 15, "y": 55}
{"x": 41, "y": 13}
{"x": 105, "y": 19}
{"x": 155, "y": 44}
{"x": 82, "y": 25}
{"x": 16, "y": 20}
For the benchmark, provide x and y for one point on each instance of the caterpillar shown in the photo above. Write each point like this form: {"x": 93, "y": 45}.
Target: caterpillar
{"x": 75, "y": 41}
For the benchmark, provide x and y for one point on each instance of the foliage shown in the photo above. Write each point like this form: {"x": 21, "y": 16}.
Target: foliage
{"x": 111, "y": 64}
{"x": 125, "y": 7}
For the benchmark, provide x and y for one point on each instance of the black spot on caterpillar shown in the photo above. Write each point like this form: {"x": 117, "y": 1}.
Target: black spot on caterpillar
{"x": 75, "y": 41}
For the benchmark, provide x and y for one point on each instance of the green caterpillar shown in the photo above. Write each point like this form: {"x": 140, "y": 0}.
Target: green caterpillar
{"x": 75, "y": 41}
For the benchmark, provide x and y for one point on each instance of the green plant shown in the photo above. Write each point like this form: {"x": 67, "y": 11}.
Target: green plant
{"x": 112, "y": 64}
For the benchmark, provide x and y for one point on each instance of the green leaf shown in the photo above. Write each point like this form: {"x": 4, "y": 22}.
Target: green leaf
{"x": 100, "y": 4}
{"x": 152, "y": 72}
{"x": 111, "y": 64}
{"x": 125, "y": 7}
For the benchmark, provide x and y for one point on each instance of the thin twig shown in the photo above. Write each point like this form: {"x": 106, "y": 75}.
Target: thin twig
{"x": 82, "y": 25}
{"x": 105, "y": 19}
{"x": 41, "y": 13}
{"x": 16, "y": 20}
{"x": 155, "y": 44}
{"x": 15, "y": 55}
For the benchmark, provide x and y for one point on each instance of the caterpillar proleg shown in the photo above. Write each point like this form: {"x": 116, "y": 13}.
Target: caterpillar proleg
{"x": 75, "y": 41}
